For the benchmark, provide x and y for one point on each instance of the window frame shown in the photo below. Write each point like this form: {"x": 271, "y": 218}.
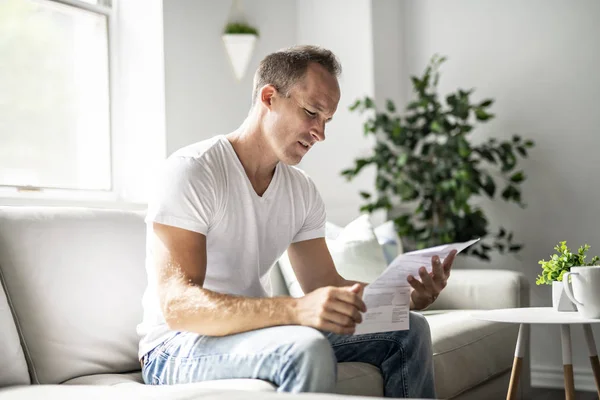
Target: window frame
{"x": 40, "y": 195}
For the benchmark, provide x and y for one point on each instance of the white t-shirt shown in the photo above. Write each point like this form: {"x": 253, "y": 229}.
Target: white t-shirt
{"x": 205, "y": 189}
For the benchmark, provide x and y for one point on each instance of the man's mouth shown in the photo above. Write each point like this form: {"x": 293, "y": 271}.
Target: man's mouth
{"x": 305, "y": 144}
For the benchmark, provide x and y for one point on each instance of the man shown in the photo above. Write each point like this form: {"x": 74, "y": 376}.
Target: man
{"x": 225, "y": 210}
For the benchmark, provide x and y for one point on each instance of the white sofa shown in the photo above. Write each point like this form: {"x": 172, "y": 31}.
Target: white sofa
{"x": 73, "y": 279}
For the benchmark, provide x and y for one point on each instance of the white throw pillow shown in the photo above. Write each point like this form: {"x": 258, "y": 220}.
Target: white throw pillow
{"x": 355, "y": 250}
{"x": 386, "y": 236}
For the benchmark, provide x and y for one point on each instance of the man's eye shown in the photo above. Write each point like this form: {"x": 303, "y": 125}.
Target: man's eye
{"x": 311, "y": 114}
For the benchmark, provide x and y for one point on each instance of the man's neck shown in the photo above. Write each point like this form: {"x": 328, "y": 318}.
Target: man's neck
{"x": 254, "y": 153}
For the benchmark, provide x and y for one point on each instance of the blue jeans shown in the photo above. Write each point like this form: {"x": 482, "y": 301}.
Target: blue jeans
{"x": 297, "y": 358}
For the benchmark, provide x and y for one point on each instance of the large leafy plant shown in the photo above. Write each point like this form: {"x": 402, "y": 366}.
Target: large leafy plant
{"x": 427, "y": 160}
{"x": 561, "y": 263}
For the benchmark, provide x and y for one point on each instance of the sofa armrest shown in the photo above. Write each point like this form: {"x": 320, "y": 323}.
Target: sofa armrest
{"x": 480, "y": 289}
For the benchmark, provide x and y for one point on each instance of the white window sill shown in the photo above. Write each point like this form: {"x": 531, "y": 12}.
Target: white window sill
{"x": 66, "y": 198}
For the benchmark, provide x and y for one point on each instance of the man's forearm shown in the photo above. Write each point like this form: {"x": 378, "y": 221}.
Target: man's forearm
{"x": 205, "y": 312}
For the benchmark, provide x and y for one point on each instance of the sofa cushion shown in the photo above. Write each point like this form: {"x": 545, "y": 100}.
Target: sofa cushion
{"x": 135, "y": 379}
{"x": 483, "y": 289}
{"x": 277, "y": 285}
{"x": 355, "y": 251}
{"x": 353, "y": 378}
{"x": 13, "y": 368}
{"x": 389, "y": 240}
{"x": 386, "y": 236}
{"x": 75, "y": 278}
{"x": 467, "y": 351}
{"x": 140, "y": 392}
{"x": 359, "y": 379}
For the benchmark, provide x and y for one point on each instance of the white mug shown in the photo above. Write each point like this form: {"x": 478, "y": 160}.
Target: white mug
{"x": 585, "y": 292}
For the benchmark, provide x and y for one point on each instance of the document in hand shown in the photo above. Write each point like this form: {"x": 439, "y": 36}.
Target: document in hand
{"x": 388, "y": 297}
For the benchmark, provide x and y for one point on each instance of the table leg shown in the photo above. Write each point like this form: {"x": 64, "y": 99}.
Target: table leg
{"x": 589, "y": 338}
{"x": 518, "y": 362}
{"x": 565, "y": 336}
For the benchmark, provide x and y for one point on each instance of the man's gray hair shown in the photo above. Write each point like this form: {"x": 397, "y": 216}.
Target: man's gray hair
{"x": 286, "y": 67}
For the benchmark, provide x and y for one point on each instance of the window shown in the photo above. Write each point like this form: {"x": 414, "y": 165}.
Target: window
{"x": 55, "y": 119}
{"x": 82, "y": 113}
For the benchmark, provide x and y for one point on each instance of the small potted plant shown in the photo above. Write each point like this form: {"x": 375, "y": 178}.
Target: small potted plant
{"x": 554, "y": 269}
{"x": 239, "y": 39}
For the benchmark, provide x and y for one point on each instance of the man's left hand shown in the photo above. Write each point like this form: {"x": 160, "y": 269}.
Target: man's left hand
{"x": 428, "y": 289}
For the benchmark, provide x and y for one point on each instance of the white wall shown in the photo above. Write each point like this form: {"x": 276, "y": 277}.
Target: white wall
{"x": 345, "y": 28}
{"x": 539, "y": 60}
{"x": 388, "y": 52}
{"x": 139, "y": 109}
{"x": 203, "y": 98}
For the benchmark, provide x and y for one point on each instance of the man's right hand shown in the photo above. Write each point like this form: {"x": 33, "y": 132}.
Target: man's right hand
{"x": 333, "y": 309}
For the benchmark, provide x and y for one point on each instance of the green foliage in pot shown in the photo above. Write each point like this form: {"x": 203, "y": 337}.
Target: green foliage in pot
{"x": 561, "y": 263}
{"x": 427, "y": 160}
{"x": 237, "y": 28}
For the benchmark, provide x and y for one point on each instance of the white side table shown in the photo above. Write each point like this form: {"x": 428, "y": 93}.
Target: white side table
{"x": 545, "y": 315}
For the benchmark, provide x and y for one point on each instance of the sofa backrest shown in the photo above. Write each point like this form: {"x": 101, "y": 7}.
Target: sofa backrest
{"x": 75, "y": 278}
{"x": 278, "y": 285}
{"x": 13, "y": 367}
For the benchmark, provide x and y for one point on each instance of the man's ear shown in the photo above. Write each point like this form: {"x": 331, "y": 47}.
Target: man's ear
{"x": 267, "y": 95}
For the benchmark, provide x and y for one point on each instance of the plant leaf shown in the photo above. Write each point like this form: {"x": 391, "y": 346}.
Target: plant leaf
{"x": 435, "y": 127}
{"x": 518, "y": 177}
{"x": 402, "y": 158}
{"x": 482, "y": 115}
{"x": 390, "y": 106}
{"x": 522, "y": 151}
{"x": 355, "y": 105}
{"x": 489, "y": 186}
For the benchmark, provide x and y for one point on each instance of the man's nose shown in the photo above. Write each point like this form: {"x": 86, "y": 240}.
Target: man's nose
{"x": 318, "y": 133}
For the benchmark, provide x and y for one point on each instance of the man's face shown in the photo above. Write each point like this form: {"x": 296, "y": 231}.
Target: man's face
{"x": 295, "y": 123}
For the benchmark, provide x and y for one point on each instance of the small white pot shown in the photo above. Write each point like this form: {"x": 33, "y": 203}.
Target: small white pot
{"x": 560, "y": 301}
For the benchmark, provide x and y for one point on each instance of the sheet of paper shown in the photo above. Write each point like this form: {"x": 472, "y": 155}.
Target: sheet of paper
{"x": 388, "y": 297}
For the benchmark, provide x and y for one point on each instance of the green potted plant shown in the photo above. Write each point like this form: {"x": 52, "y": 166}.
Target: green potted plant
{"x": 239, "y": 39}
{"x": 430, "y": 172}
{"x": 554, "y": 269}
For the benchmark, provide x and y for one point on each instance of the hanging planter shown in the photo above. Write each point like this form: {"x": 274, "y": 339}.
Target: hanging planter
{"x": 239, "y": 39}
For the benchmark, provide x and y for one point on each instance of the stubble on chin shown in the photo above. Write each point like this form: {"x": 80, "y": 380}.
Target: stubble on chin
{"x": 291, "y": 159}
